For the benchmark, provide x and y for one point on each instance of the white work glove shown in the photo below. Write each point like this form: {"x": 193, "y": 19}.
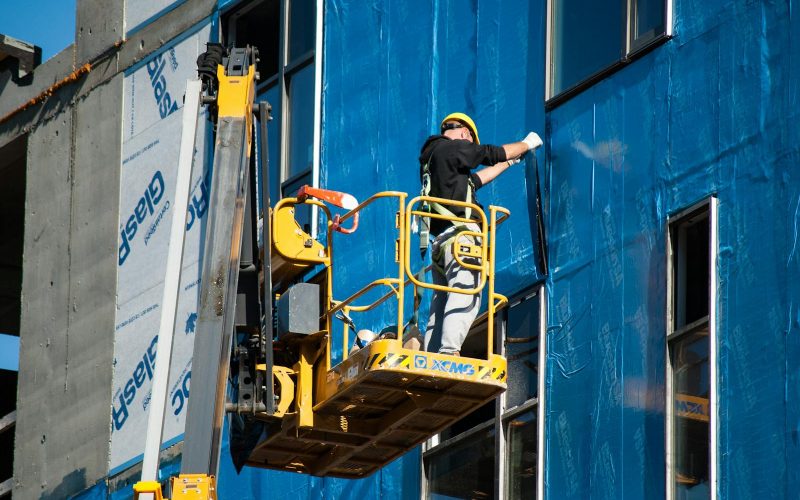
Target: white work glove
{"x": 513, "y": 161}
{"x": 532, "y": 140}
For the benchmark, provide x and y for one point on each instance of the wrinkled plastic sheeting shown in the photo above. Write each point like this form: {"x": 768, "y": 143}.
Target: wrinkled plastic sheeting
{"x": 393, "y": 70}
{"x": 714, "y": 111}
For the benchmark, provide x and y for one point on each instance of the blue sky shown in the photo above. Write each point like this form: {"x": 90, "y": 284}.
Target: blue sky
{"x": 9, "y": 352}
{"x": 50, "y": 24}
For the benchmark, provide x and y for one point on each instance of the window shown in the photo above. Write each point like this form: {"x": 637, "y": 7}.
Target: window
{"x": 500, "y": 439}
{"x": 12, "y": 222}
{"x": 590, "y": 37}
{"x": 463, "y": 467}
{"x": 691, "y": 362}
{"x": 285, "y": 32}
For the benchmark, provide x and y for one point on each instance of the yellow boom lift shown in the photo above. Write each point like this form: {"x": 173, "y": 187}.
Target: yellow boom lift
{"x": 269, "y": 314}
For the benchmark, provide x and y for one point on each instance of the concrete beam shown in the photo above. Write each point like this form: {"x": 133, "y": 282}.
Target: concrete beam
{"x": 56, "y": 68}
{"x": 20, "y": 54}
{"x": 63, "y": 429}
{"x": 45, "y": 305}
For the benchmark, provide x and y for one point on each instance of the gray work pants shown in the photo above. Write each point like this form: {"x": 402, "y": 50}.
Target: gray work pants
{"x": 451, "y": 314}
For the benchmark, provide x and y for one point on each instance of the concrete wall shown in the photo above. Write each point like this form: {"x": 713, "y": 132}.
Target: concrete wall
{"x": 69, "y": 277}
{"x": 69, "y": 269}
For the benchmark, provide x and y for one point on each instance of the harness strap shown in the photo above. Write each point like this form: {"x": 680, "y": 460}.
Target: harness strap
{"x": 438, "y": 208}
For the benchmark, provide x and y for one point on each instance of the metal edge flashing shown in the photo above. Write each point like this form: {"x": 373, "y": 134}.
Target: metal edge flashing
{"x": 501, "y": 462}
{"x": 317, "y": 127}
{"x": 712, "y": 203}
{"x": 713, "y": 244}
{"x": 548, "y": 49}
{"x": 541, "y": 396}
{"x": 668, "y": 406}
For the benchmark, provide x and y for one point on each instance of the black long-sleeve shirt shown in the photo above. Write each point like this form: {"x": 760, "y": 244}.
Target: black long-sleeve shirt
{"x": 451, "y": 165}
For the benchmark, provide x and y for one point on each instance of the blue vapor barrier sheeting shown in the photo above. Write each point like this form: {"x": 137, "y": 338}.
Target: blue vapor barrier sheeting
{"x": 711, "y": 112}
{"x": 398, "y": 480}
{"x": 387, "y": 89}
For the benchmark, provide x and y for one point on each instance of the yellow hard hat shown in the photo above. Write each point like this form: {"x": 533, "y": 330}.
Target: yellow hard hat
{"x": 466, "y": 120}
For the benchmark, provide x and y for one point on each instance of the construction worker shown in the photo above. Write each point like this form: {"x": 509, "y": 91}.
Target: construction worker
{"x": 447, "y": 170}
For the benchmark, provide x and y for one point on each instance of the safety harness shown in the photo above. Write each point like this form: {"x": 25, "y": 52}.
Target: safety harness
{"x": 431, "y": 206}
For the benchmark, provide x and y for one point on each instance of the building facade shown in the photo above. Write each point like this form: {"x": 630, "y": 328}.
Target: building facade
{"x": 653, "y": 355}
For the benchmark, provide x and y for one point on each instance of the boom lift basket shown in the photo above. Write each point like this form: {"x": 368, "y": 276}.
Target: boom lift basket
{"x": 351, "y": 419}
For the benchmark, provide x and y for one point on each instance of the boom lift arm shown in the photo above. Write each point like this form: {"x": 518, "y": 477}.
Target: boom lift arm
{"x": 230, "y": 91}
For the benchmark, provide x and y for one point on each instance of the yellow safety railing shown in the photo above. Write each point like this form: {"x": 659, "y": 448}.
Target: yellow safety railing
{"x": 486, "y": 267}
{"x": 346, "y": 309}
{"x": 483, "y": 250}
{"x": 395, "y": 285}
{"x": 481, "y": 235}
{"x": 493, "y": 306}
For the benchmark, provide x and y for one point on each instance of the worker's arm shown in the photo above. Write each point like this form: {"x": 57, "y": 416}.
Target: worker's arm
{"x": 513, "y": 151}
{"x": 487, "y": 175}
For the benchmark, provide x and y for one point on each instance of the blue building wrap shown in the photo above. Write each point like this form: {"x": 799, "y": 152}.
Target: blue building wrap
{"x": 391, "y": 72}
{"x": 712, "y": 111}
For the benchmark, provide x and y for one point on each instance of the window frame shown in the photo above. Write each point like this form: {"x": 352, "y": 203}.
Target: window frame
{"x": 631, "y": 49}
{"x": 286, "y": 70}
{"x": 674, "y": 334}
{"x": 504, "y": 414}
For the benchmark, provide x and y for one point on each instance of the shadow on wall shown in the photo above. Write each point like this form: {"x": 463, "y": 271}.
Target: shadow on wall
{"x": 72, "y": 483}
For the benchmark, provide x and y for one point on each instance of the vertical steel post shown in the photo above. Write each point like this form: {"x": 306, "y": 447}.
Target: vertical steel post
{"x": 264, "y": 116}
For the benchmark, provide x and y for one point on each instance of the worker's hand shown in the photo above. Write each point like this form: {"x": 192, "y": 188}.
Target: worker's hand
{"x": 532, "y": 140}
{"x": 513, "y": 161}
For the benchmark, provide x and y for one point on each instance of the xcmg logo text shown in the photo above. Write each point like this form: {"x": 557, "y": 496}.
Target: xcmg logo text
{"x": 422, "y": 362}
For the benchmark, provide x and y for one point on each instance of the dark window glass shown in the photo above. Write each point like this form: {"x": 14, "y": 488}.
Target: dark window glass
{"x": 522, "y": 458}
{"x": 691, "y": 268}
{"x": 12, "y": 221}
{"x": 474, "y": 347}
{"x": 302, "y": 19}
{"x": 257, "y": 24}
{"x": 522, "y": 351}
{"x": 649, "y": 20}
{"x": 691, "y": 392}
{"x": 13, "y": 167}
{"x": 474, "y": 419}
{"x": 464, "y": 469}
{"x": 301, "y": 121}
{"x": 587, "y": 37}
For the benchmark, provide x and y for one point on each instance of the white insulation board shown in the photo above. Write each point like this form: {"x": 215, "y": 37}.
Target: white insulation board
{"x": 153, "y": 100}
